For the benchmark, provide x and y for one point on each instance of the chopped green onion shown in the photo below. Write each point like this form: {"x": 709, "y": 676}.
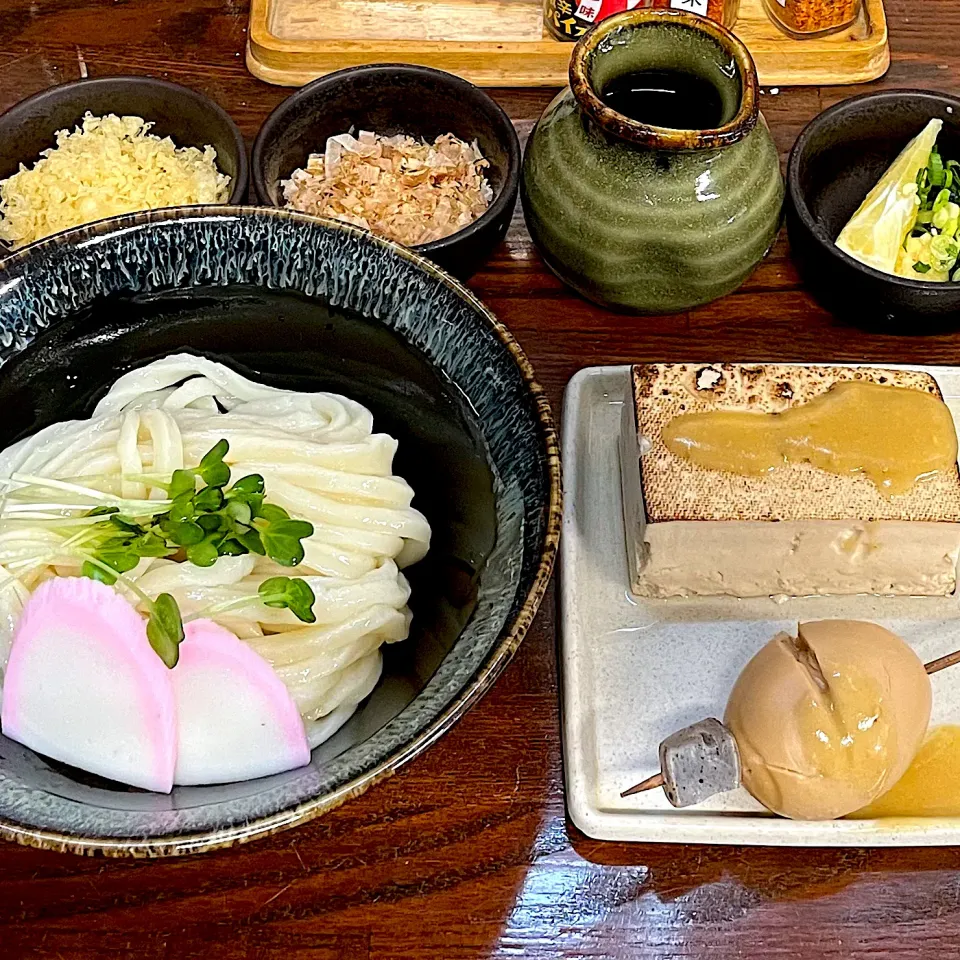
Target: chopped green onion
{"x": 935, "y": 168}
{"x": 945, "y": 250}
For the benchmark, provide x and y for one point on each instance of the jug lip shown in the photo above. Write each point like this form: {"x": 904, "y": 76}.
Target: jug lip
{"x": 648, "y": 135}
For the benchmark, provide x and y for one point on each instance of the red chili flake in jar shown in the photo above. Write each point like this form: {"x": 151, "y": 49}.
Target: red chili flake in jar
{"x": 571, "y": 19}
{"x": 804, "y": 18}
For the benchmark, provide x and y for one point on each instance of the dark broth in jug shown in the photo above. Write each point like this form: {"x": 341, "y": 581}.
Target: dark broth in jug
{"x": 666, "y": 98}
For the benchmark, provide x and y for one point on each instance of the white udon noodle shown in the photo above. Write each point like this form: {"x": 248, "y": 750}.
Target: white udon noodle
{"x": 320, "y": 460}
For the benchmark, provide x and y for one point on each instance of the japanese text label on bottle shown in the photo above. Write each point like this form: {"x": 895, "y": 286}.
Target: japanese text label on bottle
{"x": 571, "y": 19}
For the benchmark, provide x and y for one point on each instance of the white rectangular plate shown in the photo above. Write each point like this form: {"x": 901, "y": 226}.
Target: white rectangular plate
{"x": 635, "y": 670}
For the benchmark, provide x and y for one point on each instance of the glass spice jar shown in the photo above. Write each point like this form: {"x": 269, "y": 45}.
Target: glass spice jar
{"x": 812, "y": 18}
{"x": 571, "y": 19}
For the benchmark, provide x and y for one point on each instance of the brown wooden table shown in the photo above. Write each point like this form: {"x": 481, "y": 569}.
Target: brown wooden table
{"x": 467, "y": 852}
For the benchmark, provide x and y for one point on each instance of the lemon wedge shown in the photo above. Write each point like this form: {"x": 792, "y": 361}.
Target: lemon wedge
{"x": 875, "y": 234}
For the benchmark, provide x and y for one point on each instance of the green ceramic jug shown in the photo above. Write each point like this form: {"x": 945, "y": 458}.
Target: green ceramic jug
{"x": 653, "y": 219}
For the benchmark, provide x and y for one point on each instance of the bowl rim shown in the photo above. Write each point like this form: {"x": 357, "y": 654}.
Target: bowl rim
{"x": 798, "y": 200}
{"x": 511, "y": 634}
{"x": 62, "y": 91}
{"x": 506, "y": 197}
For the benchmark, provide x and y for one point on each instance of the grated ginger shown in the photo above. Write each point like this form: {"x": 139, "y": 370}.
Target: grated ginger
{"x": 108, "y": 166}
{"x": 397, "y": 187}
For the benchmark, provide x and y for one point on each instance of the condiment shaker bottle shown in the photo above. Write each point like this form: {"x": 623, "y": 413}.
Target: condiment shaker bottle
{"x": 812, "y": 18}
{"x": 571, "y": 19}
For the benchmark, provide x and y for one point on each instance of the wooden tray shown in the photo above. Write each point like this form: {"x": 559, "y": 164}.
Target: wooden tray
{"x": 502, "y": 42}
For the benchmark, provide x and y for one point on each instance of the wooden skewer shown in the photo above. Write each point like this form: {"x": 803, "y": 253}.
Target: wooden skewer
{"x": 934, "y": 666}
{"x": 651, "y": 783}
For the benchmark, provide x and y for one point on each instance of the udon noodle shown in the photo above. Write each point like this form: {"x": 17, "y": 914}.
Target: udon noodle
{"x": 320, "y": 460}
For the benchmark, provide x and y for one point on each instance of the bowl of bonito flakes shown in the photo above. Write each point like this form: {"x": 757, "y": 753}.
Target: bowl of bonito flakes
{"x": 412, "y": 154}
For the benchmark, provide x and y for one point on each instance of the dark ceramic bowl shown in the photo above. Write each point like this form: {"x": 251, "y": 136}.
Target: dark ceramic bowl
{"x": 190, "y": 118}
{"x": 388, "y": 99}
{"x": 315, "y": 305}
{"x": 835, "y": 163}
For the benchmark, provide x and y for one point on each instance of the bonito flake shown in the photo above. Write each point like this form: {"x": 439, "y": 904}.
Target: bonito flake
{"x": 400, "y": 188}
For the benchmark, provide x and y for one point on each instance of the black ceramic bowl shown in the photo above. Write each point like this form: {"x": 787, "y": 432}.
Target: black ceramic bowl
{"x": 389, "y": 99}
{"x": 836, "y": 161}
{"x": 191, "y": 119}
{"x": 308, "y": 304}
